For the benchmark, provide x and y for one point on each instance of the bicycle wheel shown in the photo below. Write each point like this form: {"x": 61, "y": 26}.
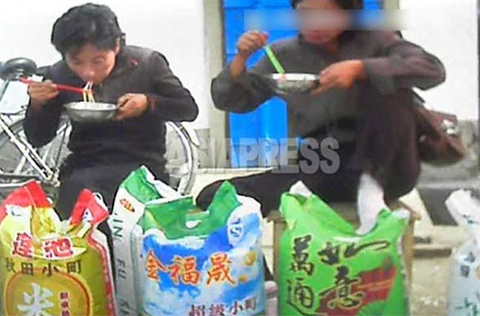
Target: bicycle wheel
{"x": 12, "y": 160}
{"x": 181, "y": 154}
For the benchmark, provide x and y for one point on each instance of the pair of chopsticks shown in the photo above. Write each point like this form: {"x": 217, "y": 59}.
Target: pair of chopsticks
{"x": 273, "y": 59}
{"x": 60, "y": 86}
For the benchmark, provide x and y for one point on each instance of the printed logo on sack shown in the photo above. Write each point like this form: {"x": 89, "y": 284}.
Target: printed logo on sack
{"x": 127, "y": 205}
{"x": 235, "y": 230}
{"x": 23, "y": 246}
{"x": 18, "y": 211}
{"x": 87, "y": 217}
{"x": 465, "y": 271}
{"x": 40, "y": 294}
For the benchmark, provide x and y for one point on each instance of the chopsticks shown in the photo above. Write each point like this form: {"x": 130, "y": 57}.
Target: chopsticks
{"x": 60, "y": 86}
{"x": 273, "y": 59}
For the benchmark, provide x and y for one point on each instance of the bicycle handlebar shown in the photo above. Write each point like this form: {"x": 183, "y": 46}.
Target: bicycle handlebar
{"x": 22, "y": 110}
{"x": 16, "y": 68}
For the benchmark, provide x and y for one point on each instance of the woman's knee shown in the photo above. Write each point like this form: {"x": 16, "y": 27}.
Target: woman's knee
{"x": 393, "y": 110}
{"x": 402, "y": 182}
{"x": 205, "y": 196}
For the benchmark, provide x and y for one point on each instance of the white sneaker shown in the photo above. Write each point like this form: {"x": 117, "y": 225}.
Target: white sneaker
{"x": 270, "y": 289}
{"x": 271, "y": 293}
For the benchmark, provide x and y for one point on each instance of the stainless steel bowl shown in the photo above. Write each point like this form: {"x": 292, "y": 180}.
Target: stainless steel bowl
{"x": 90, "y": 112}
{"x": 293, "y": 83}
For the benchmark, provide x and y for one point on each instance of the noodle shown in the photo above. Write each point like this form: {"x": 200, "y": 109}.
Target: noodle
{"x": 88, "y": 93}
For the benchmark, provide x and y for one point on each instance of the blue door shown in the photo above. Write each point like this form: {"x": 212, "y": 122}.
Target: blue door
{"x": 255, "y": 137}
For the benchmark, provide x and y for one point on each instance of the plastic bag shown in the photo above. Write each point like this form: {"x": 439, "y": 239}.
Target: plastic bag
{"x": 203, "y": 263}
{"x": 49, "y": 267}
{"x": 134, "y": 193}
{"x": 464, "y": 289}
{"x": 325, "y": 268}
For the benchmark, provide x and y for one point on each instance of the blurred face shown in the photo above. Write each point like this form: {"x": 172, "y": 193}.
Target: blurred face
{"x": 321, "y": 21}
{"x": 91, "y": 63}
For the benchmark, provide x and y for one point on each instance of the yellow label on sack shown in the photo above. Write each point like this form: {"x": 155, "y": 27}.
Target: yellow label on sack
{"x": 42, "y": 294}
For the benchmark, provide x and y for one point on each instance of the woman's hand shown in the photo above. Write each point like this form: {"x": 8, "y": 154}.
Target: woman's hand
{"x": 250, "y": 42}
{"x": 131, "y": 105}
{"x": 340, "y": 75}
{"x": 41, "y": 92}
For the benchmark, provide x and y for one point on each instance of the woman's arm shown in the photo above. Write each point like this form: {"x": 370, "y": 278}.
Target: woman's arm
{"x": 237, "y": 89}
{"x": 170, "y": 99}
{"x": 43, "y": 116}
{"x": 402, "y": 64}
{"x": 243, "y": 94}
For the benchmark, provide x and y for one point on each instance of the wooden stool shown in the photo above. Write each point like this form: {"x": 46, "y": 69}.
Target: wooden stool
{"x": 349, "y": 213}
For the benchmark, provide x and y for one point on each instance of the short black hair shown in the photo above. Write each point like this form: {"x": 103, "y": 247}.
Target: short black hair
{"x": 89, "y": 23}
{"x": 344, "y": 4}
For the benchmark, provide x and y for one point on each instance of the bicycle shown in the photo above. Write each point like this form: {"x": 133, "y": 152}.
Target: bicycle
{"x": 20, "y": 162}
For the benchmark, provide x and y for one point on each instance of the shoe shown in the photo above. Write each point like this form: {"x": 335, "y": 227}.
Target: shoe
{"x": 271, "y": 289}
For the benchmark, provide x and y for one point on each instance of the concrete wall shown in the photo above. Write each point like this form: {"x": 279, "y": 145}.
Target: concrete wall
{"x": 213, "y": 151}
{"x": 448, "y": 28}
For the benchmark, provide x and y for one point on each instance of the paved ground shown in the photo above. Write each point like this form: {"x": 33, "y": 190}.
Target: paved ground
{"x": 430, "y": 286}
{"x": 431, "y": 271}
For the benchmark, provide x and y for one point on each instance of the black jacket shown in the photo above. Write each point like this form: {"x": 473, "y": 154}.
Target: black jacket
{"x": 391, "y": 64}
{"x": 141, "y": 139}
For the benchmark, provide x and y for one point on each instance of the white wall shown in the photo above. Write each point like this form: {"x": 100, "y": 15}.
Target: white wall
{"x": 175, "y": 28}
{"x": 448, "y": 28}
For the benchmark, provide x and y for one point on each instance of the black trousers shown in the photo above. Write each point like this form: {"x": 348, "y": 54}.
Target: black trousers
{"x": 385, "y": 147}
{"x": 104, "y": 179}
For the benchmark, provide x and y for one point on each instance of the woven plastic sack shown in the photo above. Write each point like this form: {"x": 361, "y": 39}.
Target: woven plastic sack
{"x": 49, "y": 267}
{"x": 203, "y": 262}
{"x": 464, "y": 287}
{"x": 135, "y": 192}
{"x": 326, "y": 269}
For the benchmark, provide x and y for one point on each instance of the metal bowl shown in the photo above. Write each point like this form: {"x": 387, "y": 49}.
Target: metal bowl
{"x": 293, "y": 83}
{"x": 90, "y": 112}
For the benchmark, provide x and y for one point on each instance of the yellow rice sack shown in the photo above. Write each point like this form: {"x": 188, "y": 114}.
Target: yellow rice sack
{"x": 49, "y": 267}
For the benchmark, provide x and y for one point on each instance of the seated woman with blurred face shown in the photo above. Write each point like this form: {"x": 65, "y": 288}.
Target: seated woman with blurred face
{"x": 139, "y": 80}
{"x": 362, "y": 102}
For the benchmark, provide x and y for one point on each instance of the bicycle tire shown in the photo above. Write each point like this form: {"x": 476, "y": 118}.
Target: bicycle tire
{"x": 11, "y": 159}
{"x": 182, "y": 171}
{"x": 181, "y": 155}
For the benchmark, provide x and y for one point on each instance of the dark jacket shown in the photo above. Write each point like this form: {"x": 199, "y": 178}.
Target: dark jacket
{"x": 141, "y": 139}
{"x": 391, "y": 64}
